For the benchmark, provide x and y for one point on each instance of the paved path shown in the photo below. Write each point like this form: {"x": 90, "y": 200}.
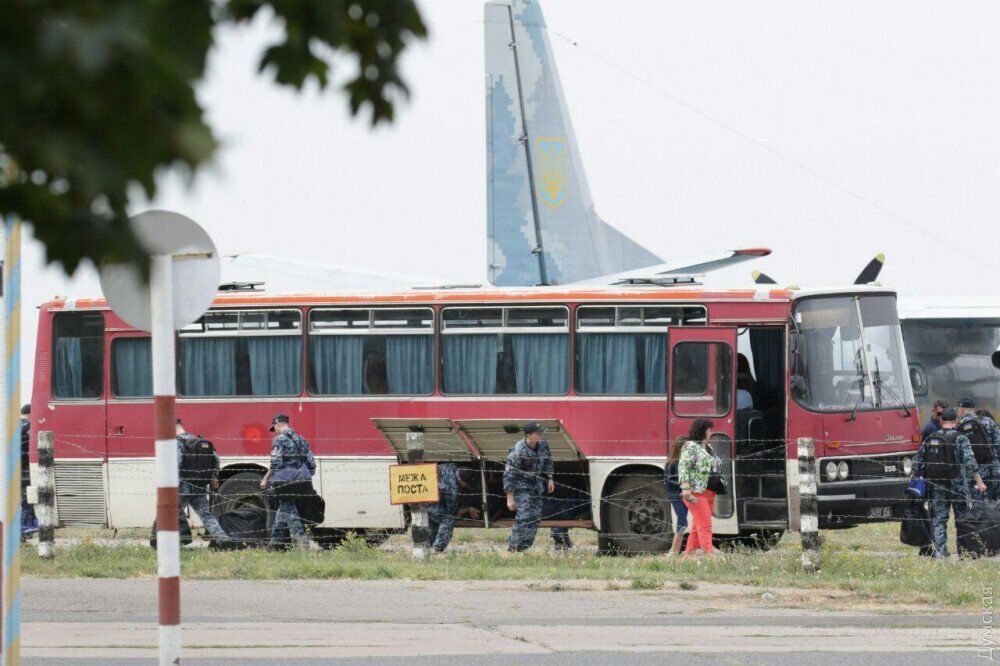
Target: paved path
{"x": 449, "y": 622}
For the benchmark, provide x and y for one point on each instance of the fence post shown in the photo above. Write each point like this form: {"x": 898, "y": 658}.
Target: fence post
{"x": 418, "y": 512}
{"x": 808, "y": 506}
{"x": 46, "y": 496}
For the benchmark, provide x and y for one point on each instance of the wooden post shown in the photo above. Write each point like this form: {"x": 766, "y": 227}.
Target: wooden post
{"x": 45, "y": 508}
{"x": 418, "y": 512}
{"x": 808, "y": 506}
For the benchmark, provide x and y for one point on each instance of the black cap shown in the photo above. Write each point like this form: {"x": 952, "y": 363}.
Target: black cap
{"x": 278, "y": 418}
{"x": 26, "y": 410}
{"x": 533, "y": 427}
{"x": 967, "y": 403}
{"x": 949, "y": 415}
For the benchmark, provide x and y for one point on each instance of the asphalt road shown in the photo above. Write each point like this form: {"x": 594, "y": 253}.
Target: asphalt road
{"x": 490, "y": 622}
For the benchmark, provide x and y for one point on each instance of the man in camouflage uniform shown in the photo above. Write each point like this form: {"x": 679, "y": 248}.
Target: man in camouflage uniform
{"x": 944, "y": 496}
{"x": 526, "y": 476}
{"x": 291, "y": 459}
{"x": 441, "y": 516}
{"x": 194, "y": 495}
{"x": 988, "y": 471}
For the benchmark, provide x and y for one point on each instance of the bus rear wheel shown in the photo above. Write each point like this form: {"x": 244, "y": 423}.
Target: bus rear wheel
{"x": 241, "y": 492}
{"x": 638, "y": 518}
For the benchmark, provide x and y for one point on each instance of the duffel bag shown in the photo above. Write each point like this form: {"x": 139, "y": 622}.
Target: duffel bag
{"x": 915, "y": 529}
{"x": 312, "y": 509}
{"x": 977, "y": 532}
{"x": 292, "y": 489}
{"x": 245, "y": 526}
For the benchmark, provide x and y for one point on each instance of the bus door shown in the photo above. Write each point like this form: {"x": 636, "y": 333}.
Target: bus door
{"x": 130, "y": 396}
{"x": 703, "y": 385}
{"x": 129, "y": 409}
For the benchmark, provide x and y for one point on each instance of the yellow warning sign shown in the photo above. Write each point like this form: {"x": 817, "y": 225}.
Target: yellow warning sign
{"x": 413, "y": 484}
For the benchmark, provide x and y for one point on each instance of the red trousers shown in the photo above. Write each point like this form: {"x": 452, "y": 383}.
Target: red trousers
{"x": 701, "y": 522}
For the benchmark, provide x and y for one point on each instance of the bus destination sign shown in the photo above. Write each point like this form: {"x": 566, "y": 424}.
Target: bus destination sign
{"x": 413, "y": 484}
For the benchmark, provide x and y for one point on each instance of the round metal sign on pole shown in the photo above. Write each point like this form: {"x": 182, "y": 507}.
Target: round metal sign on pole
{"x": 183, "y": 278}
{"x": 195, "y": 270}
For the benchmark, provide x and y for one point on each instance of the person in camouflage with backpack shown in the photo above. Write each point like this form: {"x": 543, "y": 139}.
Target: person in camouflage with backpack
{"x": 195, "y": 475}
{"x": 945, "y": 461}
{"x": 984, "y": 435}
{"x": 291, "y": 460}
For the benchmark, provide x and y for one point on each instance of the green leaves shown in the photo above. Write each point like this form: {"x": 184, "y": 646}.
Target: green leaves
{"x": 98, "y": 95}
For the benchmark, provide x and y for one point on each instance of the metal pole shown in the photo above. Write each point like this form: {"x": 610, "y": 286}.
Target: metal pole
{"x": 418, "y": 512}
{"x": 808, "y": 506}
{"x": 46, "y": 496}
{"x": 164, "y": 386}
{"x": 11, "y": 378}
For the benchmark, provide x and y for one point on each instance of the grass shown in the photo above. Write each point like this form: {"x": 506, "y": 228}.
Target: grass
{"x": 847, "y": 560}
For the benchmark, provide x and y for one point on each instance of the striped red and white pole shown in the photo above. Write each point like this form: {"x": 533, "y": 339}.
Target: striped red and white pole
{"x": 167, "y": 528}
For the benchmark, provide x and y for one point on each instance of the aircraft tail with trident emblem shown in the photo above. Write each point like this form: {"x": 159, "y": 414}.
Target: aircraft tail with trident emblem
{"x": 541, "y": 224}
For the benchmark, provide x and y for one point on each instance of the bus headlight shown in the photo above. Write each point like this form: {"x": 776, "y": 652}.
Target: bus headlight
{"x": 842, "y": 470}
{"x": 907, "y": 466}
{"x": 831, "y": 471}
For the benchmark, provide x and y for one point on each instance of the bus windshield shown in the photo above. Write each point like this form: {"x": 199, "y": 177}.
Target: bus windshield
{"x": 850, "y": 354}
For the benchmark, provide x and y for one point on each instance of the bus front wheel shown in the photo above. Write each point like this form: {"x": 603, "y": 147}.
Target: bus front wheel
{"x": 637, "y": 517}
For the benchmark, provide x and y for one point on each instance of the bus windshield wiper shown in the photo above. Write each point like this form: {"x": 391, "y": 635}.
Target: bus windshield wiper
{"x": 880, "y": 384}
{"x": 860, "y": 383}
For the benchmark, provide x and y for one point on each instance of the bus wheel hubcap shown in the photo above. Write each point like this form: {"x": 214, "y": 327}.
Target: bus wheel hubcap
{"x": 645, "y": 515}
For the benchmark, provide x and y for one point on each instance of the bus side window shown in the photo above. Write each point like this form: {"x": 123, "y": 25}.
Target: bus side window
{"x": 131, "y": 368}
{"x": 78, "y": 355}
{"x": 702, "y": 374}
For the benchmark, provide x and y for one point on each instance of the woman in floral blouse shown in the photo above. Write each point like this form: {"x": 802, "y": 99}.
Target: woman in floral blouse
{"x": 697, "y": 462}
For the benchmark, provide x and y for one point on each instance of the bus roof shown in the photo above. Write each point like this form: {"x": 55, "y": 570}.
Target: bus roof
{"x": 490, "y": 294}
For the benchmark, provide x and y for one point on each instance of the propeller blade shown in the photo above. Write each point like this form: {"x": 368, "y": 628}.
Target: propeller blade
{"x": 762, "y": 278}
{"x": 871, "y": 271}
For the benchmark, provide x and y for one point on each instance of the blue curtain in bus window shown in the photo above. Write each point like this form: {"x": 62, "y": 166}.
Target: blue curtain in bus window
{"x": 69, "y": 368}
{"x": 410, "y": 363}
{"x": 275, "y": 365}
{"x": 541, "y": 363}
{"x": 608, "y": 363}
{"x": 470, "y": 364}
{"x": 338, "y": 364}
{"x": 655, "y": 362}
{"x": 133, "y": 367}
{"x": 208, "y": 366}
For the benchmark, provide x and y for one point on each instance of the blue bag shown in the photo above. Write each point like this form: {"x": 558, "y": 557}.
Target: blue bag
{"x": 917, "y": 488}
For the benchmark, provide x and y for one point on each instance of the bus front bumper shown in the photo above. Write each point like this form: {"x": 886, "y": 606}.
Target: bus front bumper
{"x": 849, "y": 503}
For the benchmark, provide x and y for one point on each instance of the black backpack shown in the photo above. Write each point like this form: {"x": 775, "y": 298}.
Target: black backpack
{"x": 939, "y": 455}
{"x": 981, "y": 446}
{"x": 198, "y": 466}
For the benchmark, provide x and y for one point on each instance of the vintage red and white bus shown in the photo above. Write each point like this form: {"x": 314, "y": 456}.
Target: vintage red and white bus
{"x": 615, "y": 372}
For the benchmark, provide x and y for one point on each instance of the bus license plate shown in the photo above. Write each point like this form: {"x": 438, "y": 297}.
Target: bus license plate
{"x": 880, "y": 512}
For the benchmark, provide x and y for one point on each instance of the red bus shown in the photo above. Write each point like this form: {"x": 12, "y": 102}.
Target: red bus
{"x": 616, "y": 372}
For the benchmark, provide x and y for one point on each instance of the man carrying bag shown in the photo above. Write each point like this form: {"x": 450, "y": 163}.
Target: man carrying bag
{"x": 292, "y": 468}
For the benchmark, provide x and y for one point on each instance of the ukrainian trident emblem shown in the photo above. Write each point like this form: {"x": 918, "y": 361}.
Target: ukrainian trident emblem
{"x": 552, "y": 164}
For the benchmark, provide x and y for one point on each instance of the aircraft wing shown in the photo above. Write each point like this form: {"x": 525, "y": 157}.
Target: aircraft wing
{"x": 288, "y": 274}
{"x": 972, "y": 308}
{"x": 688, "y": 266}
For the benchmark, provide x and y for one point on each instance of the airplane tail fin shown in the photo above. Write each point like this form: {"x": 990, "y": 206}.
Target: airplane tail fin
{"x": 541, "y": 223}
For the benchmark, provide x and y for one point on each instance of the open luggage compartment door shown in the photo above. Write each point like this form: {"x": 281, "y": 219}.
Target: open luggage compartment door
{"x": 442, "y": 441}
{"x": 495, "y": 437}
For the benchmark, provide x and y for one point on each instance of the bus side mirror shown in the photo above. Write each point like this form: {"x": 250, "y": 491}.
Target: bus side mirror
{"x": 793, "y": 342}
{"x": 798, "y": 386}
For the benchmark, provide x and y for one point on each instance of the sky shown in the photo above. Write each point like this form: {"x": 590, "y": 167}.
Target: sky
{"x": 828, "y": 132}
